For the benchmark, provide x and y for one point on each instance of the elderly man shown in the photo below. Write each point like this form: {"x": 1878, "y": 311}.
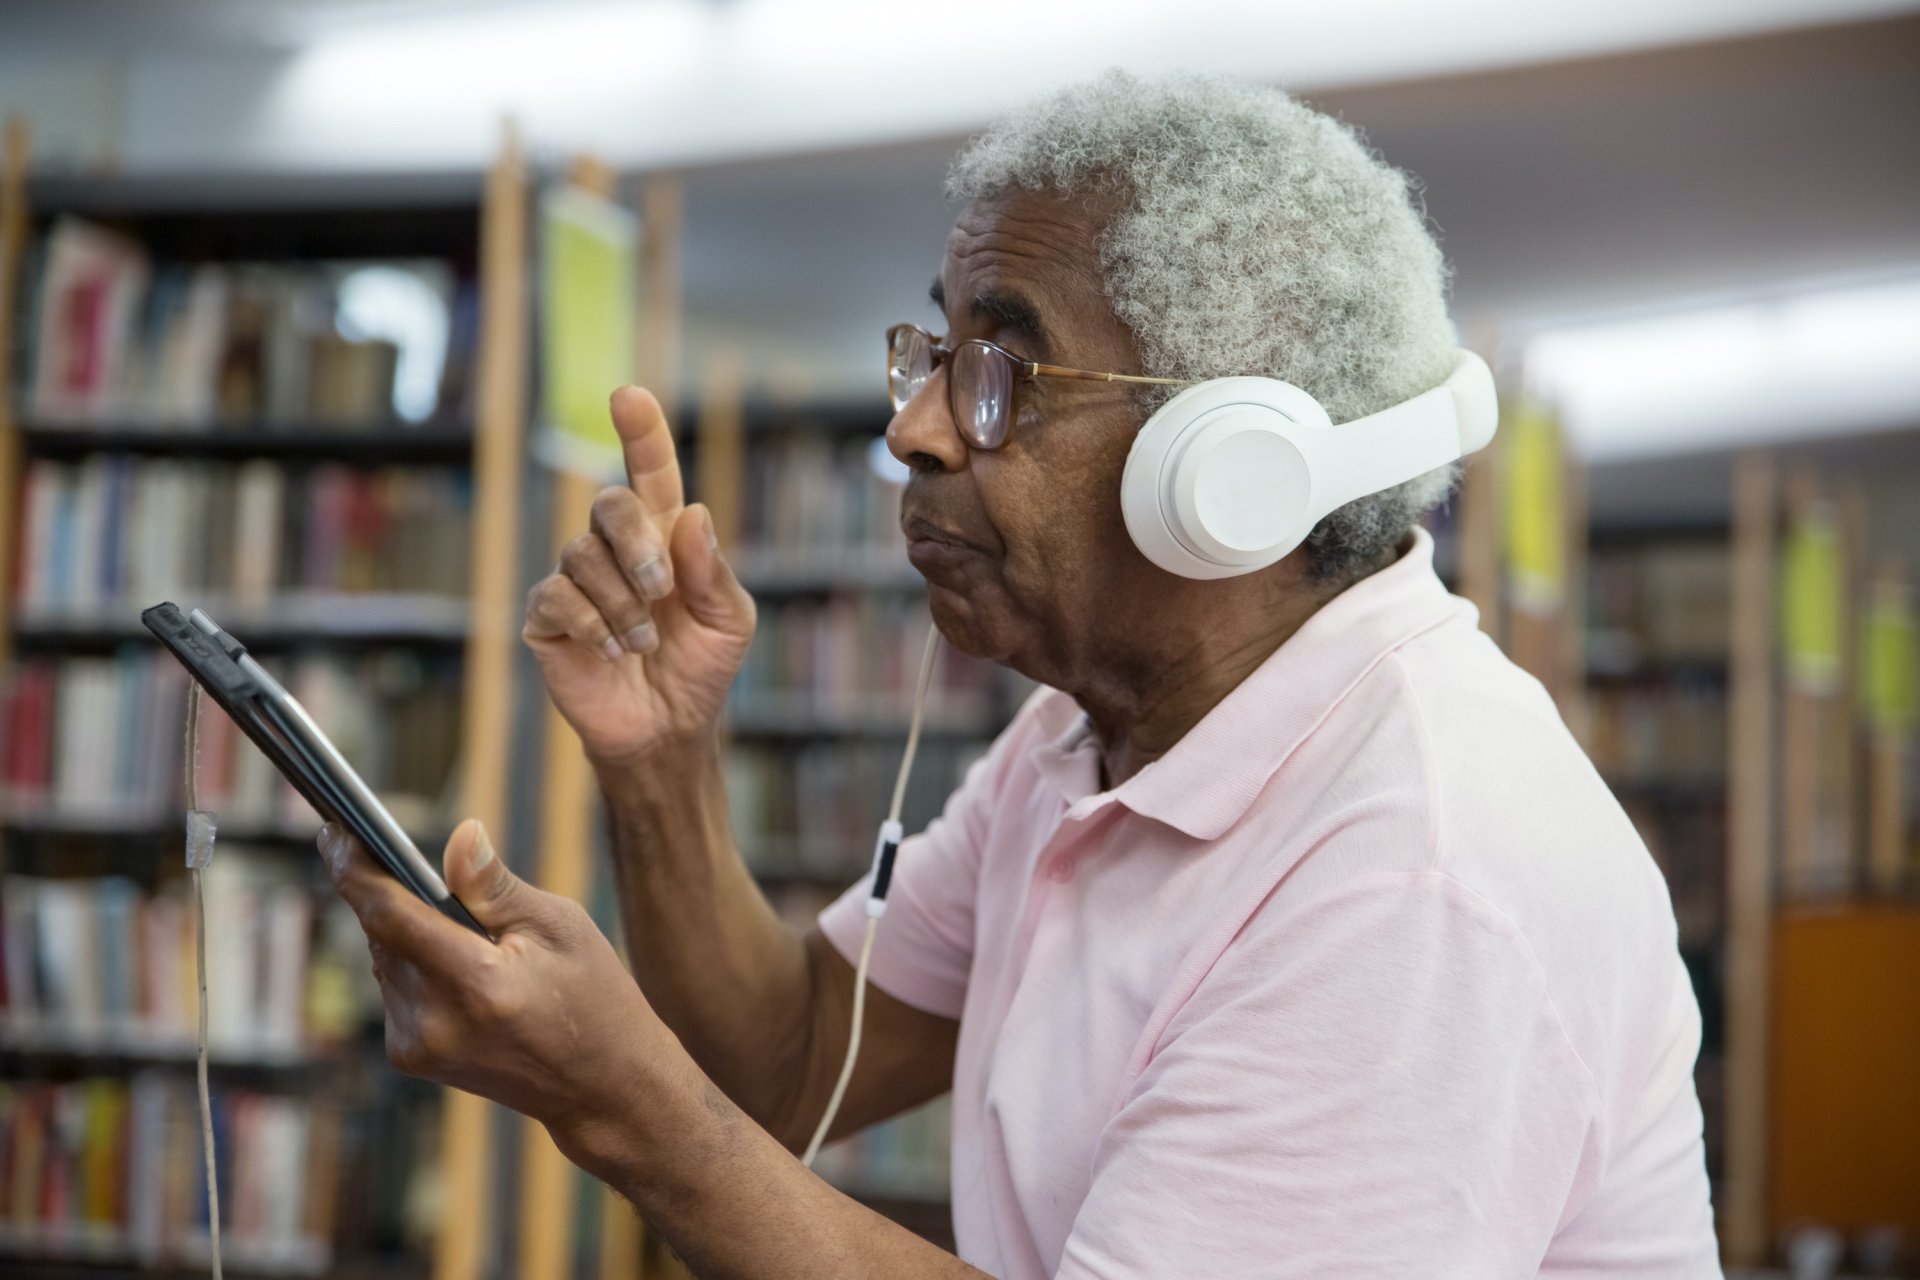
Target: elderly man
{"x": 1286, "y": 932}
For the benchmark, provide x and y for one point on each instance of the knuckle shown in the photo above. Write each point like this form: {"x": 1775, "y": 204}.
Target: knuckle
{"x": 579, "y": 552}
{"x": 613, "y": 503}
{"x": 568, "y": 924}
{"x": 494, "y": 1004}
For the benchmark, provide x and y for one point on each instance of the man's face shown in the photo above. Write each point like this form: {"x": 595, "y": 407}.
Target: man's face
{"x": 1024, "y": 548}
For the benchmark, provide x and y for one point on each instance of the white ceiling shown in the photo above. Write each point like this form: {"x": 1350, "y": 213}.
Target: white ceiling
{"x": 1557, "y": 190}
{"x": 410, "y": 83}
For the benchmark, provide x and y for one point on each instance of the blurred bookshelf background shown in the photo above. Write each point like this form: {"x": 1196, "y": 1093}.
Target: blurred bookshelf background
{"x": 304, "y": 374}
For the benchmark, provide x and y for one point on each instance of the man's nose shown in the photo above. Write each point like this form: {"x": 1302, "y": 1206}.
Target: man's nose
{"x": 923, "y": 434}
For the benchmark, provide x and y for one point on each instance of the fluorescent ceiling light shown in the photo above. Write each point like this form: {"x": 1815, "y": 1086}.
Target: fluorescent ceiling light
{"x": 1787, "y": 365}
{"x": 674, "y": 81}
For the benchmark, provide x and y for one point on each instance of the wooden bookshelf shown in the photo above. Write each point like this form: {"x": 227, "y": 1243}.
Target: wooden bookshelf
{"x": 477, "y": 225}
{"x": 448, "y": 442}
{"x": 1792, "y": 942}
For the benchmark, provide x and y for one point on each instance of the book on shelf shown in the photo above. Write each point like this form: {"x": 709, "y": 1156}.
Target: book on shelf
{"x": 106, "y": 965}
{"x": 854, "y": 656}
{"x": 1672, "y": 734}
{"x": 111, "y": 1170}
{"x": 114, "y": 336}
{"x": 811, "y": 497}
{"x": 96, "y": 742}
{"x": 119, "y": 532}
{"x": 813, "y": 812}
{"x": 1665, "y": 602}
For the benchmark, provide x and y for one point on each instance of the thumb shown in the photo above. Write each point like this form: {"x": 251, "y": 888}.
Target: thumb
{"x": 500, "y": 900}
{"x": 705, "y": 581}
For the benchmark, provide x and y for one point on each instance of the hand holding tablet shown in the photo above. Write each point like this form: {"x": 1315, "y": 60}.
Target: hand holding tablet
{"x": 283, "y": 730}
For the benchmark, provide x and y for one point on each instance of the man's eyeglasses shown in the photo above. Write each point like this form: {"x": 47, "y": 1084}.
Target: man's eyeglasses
{"x": 981, "y": 379}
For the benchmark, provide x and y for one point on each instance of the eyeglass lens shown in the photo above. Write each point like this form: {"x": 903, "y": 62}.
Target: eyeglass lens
{"x": 979, "y": 389}
{"x": 909, "y": 364}
{"x": 982, "y": 395}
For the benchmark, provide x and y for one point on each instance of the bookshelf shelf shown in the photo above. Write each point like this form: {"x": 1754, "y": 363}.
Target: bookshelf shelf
{"x": 776, "y": 573}
{"x": 853, "y": 417}
{"x": 1670, "y": 791}
{"x": 1704, "y": 671}
{"x": 775, "y": 717}
{"x": 447, "y": 443}
{"x": 128, "y": 195}
{"x": 121, "y": 1265}
{"x": 290, "y": 620}
{"x": 118, "y": 1055}
{"x": 142, "y": 828}
{"x": 92, "y": 1258}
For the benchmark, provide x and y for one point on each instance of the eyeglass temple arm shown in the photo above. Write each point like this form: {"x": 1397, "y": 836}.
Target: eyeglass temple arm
{"x": 1037, "y": 370}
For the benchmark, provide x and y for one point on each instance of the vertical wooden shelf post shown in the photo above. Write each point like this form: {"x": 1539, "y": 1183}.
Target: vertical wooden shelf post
{"x": 1802, "y": 708}
{"x": 627, "y": 1251}
{"x": 547, "y": 1200}
{"x": 466, "y": 1155}
{"x": 564, "y": 865}
{"x": 663, "y": 202}
{"x": 1743, "y": 1197}
{"x": 1479, "y": 537}
{"x": 15, "y": 144}
{"x": 1574, "y": 703}
{"x": 1887, "y": 769}
{"x": 722, "y": 445}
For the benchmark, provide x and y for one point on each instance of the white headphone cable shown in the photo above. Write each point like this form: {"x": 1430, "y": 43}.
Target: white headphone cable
{"x": 199, "y": 855}
{"x": 886, "y": 846}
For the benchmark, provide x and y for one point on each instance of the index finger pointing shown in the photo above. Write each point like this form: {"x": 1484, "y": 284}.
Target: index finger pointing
{"x": 646, "y": 442}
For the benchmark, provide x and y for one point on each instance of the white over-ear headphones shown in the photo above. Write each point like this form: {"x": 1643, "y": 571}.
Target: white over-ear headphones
{"x": 1231, "y": 475}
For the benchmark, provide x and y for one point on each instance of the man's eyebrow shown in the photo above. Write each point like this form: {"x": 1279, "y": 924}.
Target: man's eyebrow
{"x": 1013, "y": 313}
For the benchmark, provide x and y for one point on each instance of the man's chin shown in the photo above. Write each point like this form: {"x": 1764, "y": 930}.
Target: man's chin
{"x": 956, "y": 614}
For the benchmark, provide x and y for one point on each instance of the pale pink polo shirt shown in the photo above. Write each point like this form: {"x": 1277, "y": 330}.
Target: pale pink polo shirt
{"x": 1368, "y": 976}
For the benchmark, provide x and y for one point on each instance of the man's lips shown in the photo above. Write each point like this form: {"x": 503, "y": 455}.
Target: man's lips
{"x": 920, "y": 529}
{"x": 931, "y": 547}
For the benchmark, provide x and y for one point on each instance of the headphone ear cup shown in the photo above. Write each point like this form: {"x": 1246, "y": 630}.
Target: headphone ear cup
{"x": 1217, "y": 483}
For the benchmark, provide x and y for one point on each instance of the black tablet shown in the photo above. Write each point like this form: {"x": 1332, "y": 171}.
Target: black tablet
{"x": 282, "y": 729}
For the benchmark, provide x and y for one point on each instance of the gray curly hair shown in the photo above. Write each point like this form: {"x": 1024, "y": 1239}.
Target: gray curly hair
{"x": 1256, "y": 236}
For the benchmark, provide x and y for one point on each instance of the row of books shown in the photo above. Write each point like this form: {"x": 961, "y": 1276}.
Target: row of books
{"x": 813, "y": 812}
{"x": 106, "y": 965}
{"x": 100, "y": 740}
{"x": 809, "y": 495}
{"x": 1664, "y": 602}
{"x": 111, "y": 335}
{"x": 1674, "y": 732}
{"x": 856, "y": 657}
{"x": 907, "y": 1158}
{"x": 118, "y": 531}
{"x": 102, "y": 1169}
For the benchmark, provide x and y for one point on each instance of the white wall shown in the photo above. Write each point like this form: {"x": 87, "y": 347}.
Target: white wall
{"x": 75, "y": 103}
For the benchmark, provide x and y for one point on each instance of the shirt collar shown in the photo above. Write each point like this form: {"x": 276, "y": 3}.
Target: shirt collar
{"x": 1208, "y": 780}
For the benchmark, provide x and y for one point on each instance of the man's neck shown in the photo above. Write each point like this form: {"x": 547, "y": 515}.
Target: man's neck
{"x": 1145, "y": 701}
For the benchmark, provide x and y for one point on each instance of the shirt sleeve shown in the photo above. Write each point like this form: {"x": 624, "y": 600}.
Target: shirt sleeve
{"x": 923, "y": 950}
{"x": 1377, "y": 1085}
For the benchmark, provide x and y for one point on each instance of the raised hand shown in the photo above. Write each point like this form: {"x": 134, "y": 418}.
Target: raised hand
{"x": 641, "y": 627}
